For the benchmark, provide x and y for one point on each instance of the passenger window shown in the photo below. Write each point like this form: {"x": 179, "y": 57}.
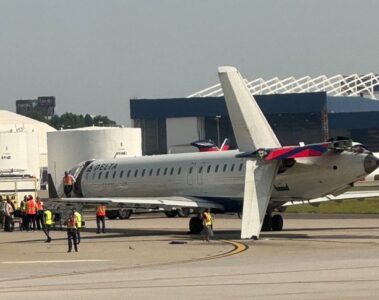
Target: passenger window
{"x": 200, "y": 170}
{"x": 209, "y": 168}
{"x": 158, "y": 171}
{"x": 151, "y": 172}
{"x": 143, "y": 173}
{"x": 172, "y": 171}
{"x": 136, "y": 173}
{"x": 114, "y": 174}
{"x": 121, "y": 173}
{"x": 232, "y": 168}
{"x": 106, "y": 175}
{"x": 100, "y": 175}
{"x": 216, "y": 169}
{"x": 224, "y": 168}
{"x": 179, "y": 170}
{"x": 190, "y": 170}
{"x": 165, "y": 172}
{"x": 128, "y": 175}
{"x": 240, "y": 167}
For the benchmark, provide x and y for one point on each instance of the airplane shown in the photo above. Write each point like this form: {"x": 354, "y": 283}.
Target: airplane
{"x": 258, "y": 178}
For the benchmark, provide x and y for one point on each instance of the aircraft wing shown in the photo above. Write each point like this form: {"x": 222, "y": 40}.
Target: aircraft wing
{"x": 359, "y": 195}
{"x": 298, "y": 151}
{"x": 145, "y": 202}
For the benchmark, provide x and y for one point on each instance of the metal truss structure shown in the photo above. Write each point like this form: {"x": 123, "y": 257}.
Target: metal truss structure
{"x": 337, "y": 85}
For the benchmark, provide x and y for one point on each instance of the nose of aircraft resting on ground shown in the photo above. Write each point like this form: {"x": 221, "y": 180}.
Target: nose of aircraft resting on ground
{"x": 371, "y": 163}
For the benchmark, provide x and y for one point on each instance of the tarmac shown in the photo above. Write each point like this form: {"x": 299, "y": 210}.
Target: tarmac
{"x": 153, "y": 257}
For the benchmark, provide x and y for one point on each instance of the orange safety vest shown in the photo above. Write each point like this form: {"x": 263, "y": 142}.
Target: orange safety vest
{"x": 100, "y": 211}
{"x": 39, "y": 205}
{"x": 31, "y": 207}
{"x": 68, "y": 180}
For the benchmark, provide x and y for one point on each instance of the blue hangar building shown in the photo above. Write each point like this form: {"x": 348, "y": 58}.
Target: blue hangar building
{"x": 169, "y": 125}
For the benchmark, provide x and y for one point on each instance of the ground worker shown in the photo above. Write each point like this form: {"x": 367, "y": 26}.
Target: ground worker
{"x": 78, "y": 223}
{"x": 31, "y": 212}
{"x": 100, "y": 217}
{"x": 39, "y": 217}
{"x": 207, "y": 231}
{"x": 68, "y": 183}
{"x": 71, "y": 232}
{"x": 23, "y": 213}
{"x": 8, "y": 215}
{"x": 47, "y": 223}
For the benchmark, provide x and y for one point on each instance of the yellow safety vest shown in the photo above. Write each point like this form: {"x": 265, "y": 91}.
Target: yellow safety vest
{"x": 78, "y": 220}
{"x": 48, "y": 217}
{"x": 207, "y": 218}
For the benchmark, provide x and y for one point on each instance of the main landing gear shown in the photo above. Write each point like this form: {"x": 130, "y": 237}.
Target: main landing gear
{"x": 272, "y": 222}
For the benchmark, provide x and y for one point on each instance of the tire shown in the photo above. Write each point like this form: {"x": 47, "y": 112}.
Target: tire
{"x": 267, "y": 223}
{"x": 171, "y": 213}
{"x": 277, "y": 223}
{"x": 195, "y": 225}
{"x": 112, "y": 214}
{"x": 124, "y": 213}
{"x": 184, "y": 212}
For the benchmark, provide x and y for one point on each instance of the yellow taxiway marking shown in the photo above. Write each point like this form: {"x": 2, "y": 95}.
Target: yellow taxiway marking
{"x": 52, "y": 261}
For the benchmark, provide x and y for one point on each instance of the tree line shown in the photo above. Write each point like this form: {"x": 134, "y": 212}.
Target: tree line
{"x": 70, "y": 120}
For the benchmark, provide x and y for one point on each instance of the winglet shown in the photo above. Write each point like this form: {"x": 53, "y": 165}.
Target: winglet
{"x": 251, "y": 129}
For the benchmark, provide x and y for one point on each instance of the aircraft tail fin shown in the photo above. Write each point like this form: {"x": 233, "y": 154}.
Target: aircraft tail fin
{"x": 53, "y": 194}
{"x": 251, "y": 129}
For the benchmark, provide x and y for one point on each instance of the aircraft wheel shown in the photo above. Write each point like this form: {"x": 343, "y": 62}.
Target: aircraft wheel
{"x": 277, "y": 223}
{"x": 112, "y": 214}
{"x": 171, "y": 213}
{"x": 184, "y": 212}
{"x": 267, "y": 223}
{"x": 195, "y": 225}
{"x": 124, "y": 213}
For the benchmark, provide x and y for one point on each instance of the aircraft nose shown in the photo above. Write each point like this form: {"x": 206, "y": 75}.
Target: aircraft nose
{"x": 370, "y": 163}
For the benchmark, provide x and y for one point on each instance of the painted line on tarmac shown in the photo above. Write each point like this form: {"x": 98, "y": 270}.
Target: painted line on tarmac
{"x": 53, "y": 261}
{"x": 238, "y": 248}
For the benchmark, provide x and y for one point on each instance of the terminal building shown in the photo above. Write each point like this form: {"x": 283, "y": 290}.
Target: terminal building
{"x": 308, "y": 110}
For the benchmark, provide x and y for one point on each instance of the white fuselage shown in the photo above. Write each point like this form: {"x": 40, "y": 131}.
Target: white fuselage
{"x": 216, "y": 175}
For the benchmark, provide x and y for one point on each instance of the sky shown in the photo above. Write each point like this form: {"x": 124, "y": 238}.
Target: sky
{"x": 94, "y": 56}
